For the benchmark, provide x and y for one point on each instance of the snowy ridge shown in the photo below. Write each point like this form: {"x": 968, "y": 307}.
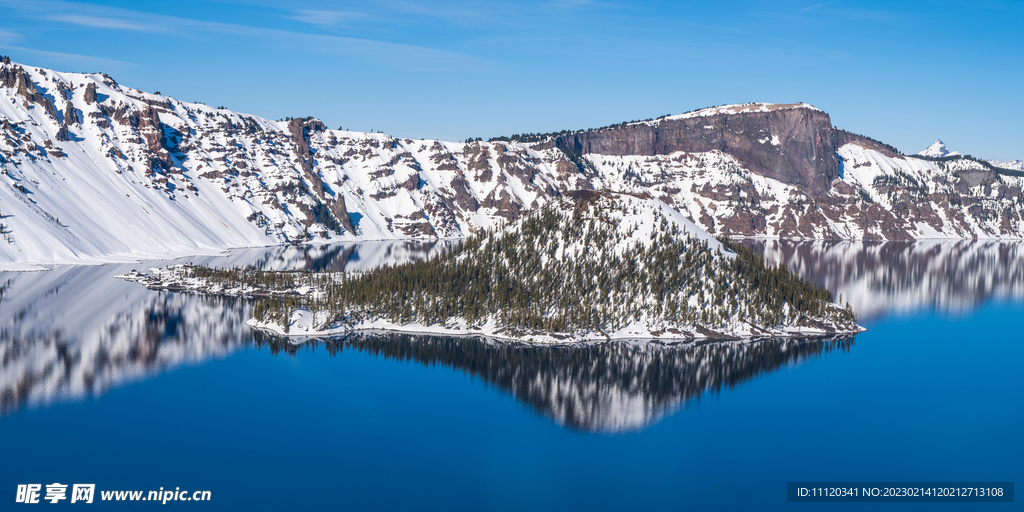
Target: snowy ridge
{"x": 741, "y": 108}
{"x": 877, "y": 197}
{"x": 921, "y": 186}
{"x": 1016, "y": 165}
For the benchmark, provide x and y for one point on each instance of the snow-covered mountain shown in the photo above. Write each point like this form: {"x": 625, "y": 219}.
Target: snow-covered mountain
{"x": 95, "y": 171}
{"x": 938, "y": 149}
{"x": 91, "y": 171}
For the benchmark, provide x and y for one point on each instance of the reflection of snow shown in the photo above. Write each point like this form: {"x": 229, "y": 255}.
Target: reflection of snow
{"x": 74, "y": 330}
{"x": 878, "y": 278}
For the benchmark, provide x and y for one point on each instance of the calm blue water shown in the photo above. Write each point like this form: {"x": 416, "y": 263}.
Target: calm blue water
{"x": 148, "y": 390}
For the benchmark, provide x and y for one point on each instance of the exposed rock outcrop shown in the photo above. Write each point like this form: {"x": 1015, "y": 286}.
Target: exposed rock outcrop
{"x": 299, "y": 129}
{"x": 793, "y": 145}
{"x": 90, "y": 93}
{"x": 62, "y": 134}
{"x": 70, "y": 114}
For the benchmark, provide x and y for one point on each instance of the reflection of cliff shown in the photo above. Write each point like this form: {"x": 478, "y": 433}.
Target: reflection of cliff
{"x": 77, "y": 340}
{"x": 613, "y": 386}
{"x": 76, "y": 331}
{"x": 334, "y": 257}
{"x": 882, "y": 277}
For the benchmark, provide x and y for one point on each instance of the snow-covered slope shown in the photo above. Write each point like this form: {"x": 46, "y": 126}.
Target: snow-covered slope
{"x": 938, "y": 149}
{"x": 877, "y": 196}
{"x": 94, "y": 171}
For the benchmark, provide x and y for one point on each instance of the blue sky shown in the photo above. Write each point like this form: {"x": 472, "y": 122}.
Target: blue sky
{"x": 902, "y": 72}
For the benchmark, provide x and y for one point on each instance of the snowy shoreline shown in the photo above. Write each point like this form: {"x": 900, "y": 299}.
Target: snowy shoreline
{"x": 302, "y": 327}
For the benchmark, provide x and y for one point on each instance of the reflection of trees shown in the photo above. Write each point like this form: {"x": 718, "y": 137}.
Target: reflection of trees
{"x": 878, "y": 277}
{"x": 610, "y": 386}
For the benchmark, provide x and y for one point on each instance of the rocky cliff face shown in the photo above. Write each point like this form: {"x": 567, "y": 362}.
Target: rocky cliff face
{"x": 793, "y": 144}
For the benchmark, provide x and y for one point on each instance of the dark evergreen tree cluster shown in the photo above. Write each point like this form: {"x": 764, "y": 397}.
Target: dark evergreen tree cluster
{"x": 898, "y": 181}
{"x": 592, "y": 262}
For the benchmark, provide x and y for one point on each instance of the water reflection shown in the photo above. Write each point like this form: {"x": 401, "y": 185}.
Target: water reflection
{"x": 74, "y": 331}
{"x": 882, "y": 278}
{"x": 597, "y": 387}
{"x": 334, "y": 257}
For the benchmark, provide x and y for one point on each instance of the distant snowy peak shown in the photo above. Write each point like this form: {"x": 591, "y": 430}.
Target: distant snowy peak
{"x": 1016, "y": 165}
{"x": 938, "y": 149}
{"x": 742, "y": 108}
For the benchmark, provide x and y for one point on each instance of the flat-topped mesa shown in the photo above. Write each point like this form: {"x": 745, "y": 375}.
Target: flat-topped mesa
{"x": 793, "y": 143}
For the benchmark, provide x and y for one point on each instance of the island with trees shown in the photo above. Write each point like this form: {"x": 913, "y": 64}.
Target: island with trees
{"x": 586, "y": 266}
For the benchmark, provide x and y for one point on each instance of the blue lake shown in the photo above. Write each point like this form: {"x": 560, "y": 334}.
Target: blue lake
{"x": 105, "y": 382}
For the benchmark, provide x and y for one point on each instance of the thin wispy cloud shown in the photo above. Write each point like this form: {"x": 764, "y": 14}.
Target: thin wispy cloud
{"x": 815, "y": 6}
{"x": 403, "y": 56}
{"x": 570, "y": 4}
{"x": 9, "y": 37}
{"x": 327, "y": 18}
{"x": 106, "y": 22}
{"x": 463, "y": 13}
{"x": 81, "y": 62}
